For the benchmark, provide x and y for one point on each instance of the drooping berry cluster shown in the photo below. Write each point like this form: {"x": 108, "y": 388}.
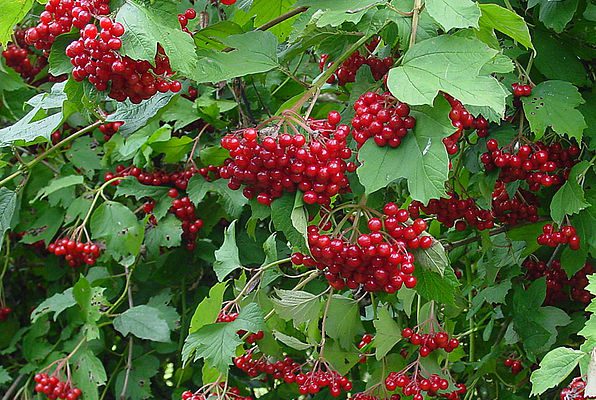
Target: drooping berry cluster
{"x": 74, "y": 252}
{"x": 109, "y": 129}
{"x": 514, "y": 365}
{"x": 231, "y": 317}
{"x": 453, "y": 211}
{"x": 575, "y": 390}
{"x": 540, "y": 165}
{"x": 379, "y": 261}
{"x": 322, "y": 376}
{"x": 185, "y": 18}
{"x": 346, "y": 73}
{"x": 462, "y": 120}
{"x": 176, "y": 179}
{"x": 186, "y": 212}
{"x": 512, "y": 211}
{"x": 220, "y": 391}
{"x": 24, "y": 61}
{"x": 558, "y": 287}
{"x": 416, "y": 385}
{"x": 54, "y": 388}
{"x": 4, "y": 313}
{"x": 254, "y": 365}
{"x": 429, "y": 342}
{"x": 382, "y": 117}
{"x": 552, "y": 237}
{"x": 60, "y": 16}
{"x": 268, "y": 164}
{"x": 521, "y": 90}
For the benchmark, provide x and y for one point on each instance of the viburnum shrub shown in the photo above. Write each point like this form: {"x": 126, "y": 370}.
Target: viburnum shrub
{"x": 267, "y": 199}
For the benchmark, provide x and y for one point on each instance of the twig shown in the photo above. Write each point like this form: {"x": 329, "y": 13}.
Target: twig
{"x": 415, "y": 19}
{"x": 282, "y": 18}
{"x": 463, "y": 242}
{"x": 130, "y": 342}
{"x": 12, "y": 388}
{"x": 324, "y": 324}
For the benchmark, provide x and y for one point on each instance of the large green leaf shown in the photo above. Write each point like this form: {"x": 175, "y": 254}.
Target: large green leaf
{"x": 253, "y": 53}
{"x": 554, "y": 104}
{"x": 570, "y": 198}
{"x": 167, "y": 233}
{"x": 554, "y": 368}
{"x": 568, "y": 66}
{"x": 388, "y": 332}
{"x": 55, "y": 304}
{"x": 287, "y": 213}
{"x": 454, "y": 13}
{"x": 88, "y": 373}
{"x": 148, "y": 26}
{"x": 227, "y": 258}
{"x": 13, "y": 12}
{"x": 433, "y": 286}
{"x": 495, "y": 17}
{"x": 232, "y": 200}
{"x": 450, "y": 64}
{"x": 555, "y": 14}
{"x": 343, "y": 320}
{"x": 139, "y": 378}
{"x": 34, "y": 125}
{"x": 421, "y": 158}
{"x": 135, "y": 116}
{"x": 296, "y": 305}
{"x": 264, "y": 11}
{"x": 144, "y": 322}
{"x": 208, "y": 309}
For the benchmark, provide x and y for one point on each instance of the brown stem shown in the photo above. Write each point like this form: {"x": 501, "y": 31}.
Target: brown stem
{"x": 13, "y": 387}
{"x": 463, "y": 242}
{"x": 415, "y": 19}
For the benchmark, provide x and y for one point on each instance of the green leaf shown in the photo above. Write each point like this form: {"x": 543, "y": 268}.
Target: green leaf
{"x": 86, "y": 155}
{"x": 454, "y": 13}
{"x": 4, "y": 376}
{"x": 57, "y": 184}
{"x": 55, "y": 304}
{"x": 450, "y": 64}
{"x": 264, "y": 11}
{"x": 555, "y": 14}
{"x": 434, "y": 258}
{"x": 568, "y": 66}
{"x": 388, "y": 332}
{"x": 89, "y": 299}
{"x": 119, "y": 227}
{"x": 167, "y": 233}
{"x": 167, "y": 312}
{"x": 253, "y": 52}
{"x": 232, "y": 200}
{"x": 343, "y": 320}
{"x": 208, "y": 309}
{"x": 31, "y": 127}
{"x": 554, "y": 368}
{"x": 433, "y": 286}
{"x": 45, "y": 227}
{"x": 59, "y": 63}
{"x": 217, "y": 343}
{"x": 227, "y": 258}
{"x": 554, "y": 104}
{"x": 139, "y": 379}
{"x": 421, "y": 158}
{"x": 340, "y": 359}
{"x": 148, "y": 26}
{"x": 13, "y": 12}
{"x": 88, "y": 374}
{"x": 285, "y": 215}
{"x": 495, "y": 17}
{"x": 143, "y": 322}
{"x": 296, "y": 305}
{"x": 291, "y": 341}
{"x": 135, "y": 116}
{"x": 130, "y": 186}
{"x": 570, "y": 198}
{"x": 492, "y": 295}
{"x": 8, "y": 203}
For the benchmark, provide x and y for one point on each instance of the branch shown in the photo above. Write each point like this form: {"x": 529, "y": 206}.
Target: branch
{"x": 415, "y": 19}
{"x": 12, "y": 388}
{"x": 282, "y": 18}
{"x": 130, "y": 341}
{"x": 463, "y": 242}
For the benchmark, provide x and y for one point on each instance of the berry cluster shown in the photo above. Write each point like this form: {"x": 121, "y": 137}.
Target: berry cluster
{"x": 380, "y": 260}
{"x": 4, "y": 313}
{"x": 453, "y": 211}
{"x": 231, "y": 317}
{"x": 511, "y": 211}
{"x": 109, "y": 129}
{"x": 366, "y": 396}
{"x": 74, "y": 252}
{"x": 382, "y": 117}
{"x": 21, "y": 59}
{"x": 280, "y": 370}
{"x": 521, "y": 90}
{"x": 514, "y": 365}
{"x": 558, "y": 287}
{"x": 269, "y": 165}
{"x": 542, "y": 165}
{"x": 552, "y": 237}
{"x": 224, "y": 2}
{"x": 414, "y": 384}
{"x": 185, "y": 18}
{"x": 462, "y": 120}
{"x": 346, "y": 73}
{"x": 430, "y": 342}
{"x": 186, "y": 212}
{"x": 220, "y": 391}
{"x": 312, "y": 382}
{"x": 575, "y": 390}
{"x": 53, "y": 388}
{"x": 60, "y": 16}
{"x": 177, "y": 179}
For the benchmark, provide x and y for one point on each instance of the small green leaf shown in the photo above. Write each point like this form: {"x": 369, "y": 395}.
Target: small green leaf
{"x": 208, "y": 309}
{"x": 507, "y": 22}
{"x": 291, "y": 341}
{"x": 433, "y": 286}
{"x": 4, "y": 376}
{"x": 454, "y": 13}
{"x": 285, "y": 215}
{"x": 570, "y": 198}
{"x": 119, "y": 227}
{"x": 8, "y": 203}
{"x": 139, "y": 378}
{"x": 297, "y": 306}
{"x": 143, "y": 322}
{"x": 59, "y": 63}
{"x": 388, "y": 332}
{"x": 232, "y": 200}
{"x": 554, "y": 104}
{"x": 88, "y": 373}
{"x": 55, "y": 304}
{"x": 167, "y": 233}
{"x": 135, "y": 116}
{"x": 555, "y": 14}
{"x": 343, "y": 320}
{"x": 554, "y": 368}
{"x": 227, "y": 258}
{"x": 59, "y": 183}
{"x": 130, "y": 186}
{"x": 434, "y": 258}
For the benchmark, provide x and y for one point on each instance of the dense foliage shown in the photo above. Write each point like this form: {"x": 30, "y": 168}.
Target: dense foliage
{"x": 312, "y": 199}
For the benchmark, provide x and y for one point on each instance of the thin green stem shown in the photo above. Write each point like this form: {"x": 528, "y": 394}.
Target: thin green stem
{"x": 324, "y": 324}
